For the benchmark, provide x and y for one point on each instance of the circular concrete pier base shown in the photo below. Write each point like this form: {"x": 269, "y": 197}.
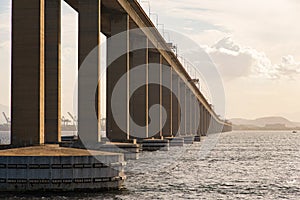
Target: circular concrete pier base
{"x": 175, "y": 141}
{"x": 130, "y": 150}
{"x": 197, "y": 138}
{"x": 189, "y": 139}
{"x": 155, "y": 145}
{"x": 52, "y": 168}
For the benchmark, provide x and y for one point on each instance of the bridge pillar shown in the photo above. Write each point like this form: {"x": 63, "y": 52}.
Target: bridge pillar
{"x": 154, "y": 91}
{"x": 117, "y": 67}
{"x": 204, "y": 121}
{"x": 139, "y": 99}
{"x": 201, "y": 119}
{"x": 197, "y": 117}
{"x": 193, "y": 111}
{"x": 188, "y": 111}
{"x": 199, "y": 128}
{"x": 209, "y": 125}
{"x": 183, "y": 108}
{"x": 175, "y": 104}
{"x": 27, "y": 90}
{"x": 89, "y": 68}
{"x": 52, "y": 71}
{"x": 167, "y": 97}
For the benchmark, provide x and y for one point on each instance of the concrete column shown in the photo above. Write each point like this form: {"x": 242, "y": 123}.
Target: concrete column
{"x": 197, "y": 116}
{"x": 193, "y": 115}
{"x": 154, "y": 94}
{"x": 171, "y": 106}
{"x": 179, "y": 106}
{"x": 205, "y": 121}
{"x": 166, "y": 97}
{"x": 183, "y": 108}
{"x": 89, "y": 67}
{"x": 200, "y": 119}
{"x": 117, "y": 67}
{"x": 213, "y": 126}
{"x": 27, "y": 73}
{"x": 188, "y": 111}
{"x": 175, "y": 104}
{"x": 139, "y": 100}
{"x": 53, "y": 71}
{"x": 209, "y": 123}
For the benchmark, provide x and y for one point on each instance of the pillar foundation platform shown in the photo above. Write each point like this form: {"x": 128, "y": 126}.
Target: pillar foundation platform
{"x": 155, "y": 145}
{"x": 189, "y": 139}
{"x": 52, "y": 168}
{"x": 175, "y": 141}
{"x": 130, "y": 150}
{"x": 197, "y": 138}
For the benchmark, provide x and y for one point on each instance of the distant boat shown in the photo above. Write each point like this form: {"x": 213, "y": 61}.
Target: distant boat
{"x": 294, "y": 131}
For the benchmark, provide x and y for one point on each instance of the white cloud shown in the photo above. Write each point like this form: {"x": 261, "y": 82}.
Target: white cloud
{"x": 269, "y": 25}
{"x": 289, "y": 66}
{"x": 234, "y": 60}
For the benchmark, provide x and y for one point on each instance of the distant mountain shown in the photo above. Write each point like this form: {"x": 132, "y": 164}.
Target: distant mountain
{"x": 262, "y": 122}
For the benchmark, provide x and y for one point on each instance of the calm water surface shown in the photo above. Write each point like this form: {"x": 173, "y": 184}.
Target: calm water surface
{"x": 242, "y": 165}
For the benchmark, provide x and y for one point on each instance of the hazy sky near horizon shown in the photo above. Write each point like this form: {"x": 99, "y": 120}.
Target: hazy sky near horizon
{"x": 255, "y": 45}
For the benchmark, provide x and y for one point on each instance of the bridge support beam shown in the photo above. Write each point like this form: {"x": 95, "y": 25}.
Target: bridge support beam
{"x": 193, "y": 111}
{"x": 89, "y": 67}
{"x": 188, "y": 111}
{"x": 139, "y": 100}
{"x": 53, "y": 71}
{"x": 205, "y": 127}
{"x": 209, "y": 125}
{"x": 154, "y": 92}
{"x": 27, "y": 73}
{"x": 175, "y": 104}
{"x": 167, "y": 97}
{"x": 197, "y": 117}
{"x": 118, "y": 65}
{"x": 201, "y": 119}
{"x": 183, "y": 108}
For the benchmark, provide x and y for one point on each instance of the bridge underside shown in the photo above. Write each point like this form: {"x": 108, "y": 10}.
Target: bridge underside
{"x": 36, "y": 76}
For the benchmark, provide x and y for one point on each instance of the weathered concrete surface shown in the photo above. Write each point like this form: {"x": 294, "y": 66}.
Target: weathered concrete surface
{"x": 52, "y": 168}
{"x": 182, "y": 103}
{"x": 138, "y": 104}
{"x": 155, "y": 145}
{"x": 27, "y": 93}
{"x": 175, "y": 105}
{"x": 189, "y": 140}
{"x": 130, "y": 150}
{"x": 89, "y": 70}
{"x": 197, "y": 138}
{"x": 175, "y": 141}
{"x": 167, "y": 97}
{"x": 154, "y": 92}
{"x": 118, "y": 65}
{"x": 53, "y": 71}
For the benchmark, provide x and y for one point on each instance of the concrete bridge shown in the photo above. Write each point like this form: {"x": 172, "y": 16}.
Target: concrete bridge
{"x": 36, "y": 76}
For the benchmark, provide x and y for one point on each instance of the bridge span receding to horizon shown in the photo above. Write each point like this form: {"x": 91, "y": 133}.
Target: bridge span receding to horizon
{"x": 134, "y": 45}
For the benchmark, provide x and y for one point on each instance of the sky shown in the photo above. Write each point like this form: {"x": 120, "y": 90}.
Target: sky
{"x": 254, "y": 45}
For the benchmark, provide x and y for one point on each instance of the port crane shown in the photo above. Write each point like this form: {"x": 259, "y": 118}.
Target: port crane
{"x": 65, "y": 121}
{"x": 73, "y": 118}
{"x": 6, "y": 118}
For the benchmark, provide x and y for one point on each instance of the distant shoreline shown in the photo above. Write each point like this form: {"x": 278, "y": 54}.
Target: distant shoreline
{"x": 235, "y": 128}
